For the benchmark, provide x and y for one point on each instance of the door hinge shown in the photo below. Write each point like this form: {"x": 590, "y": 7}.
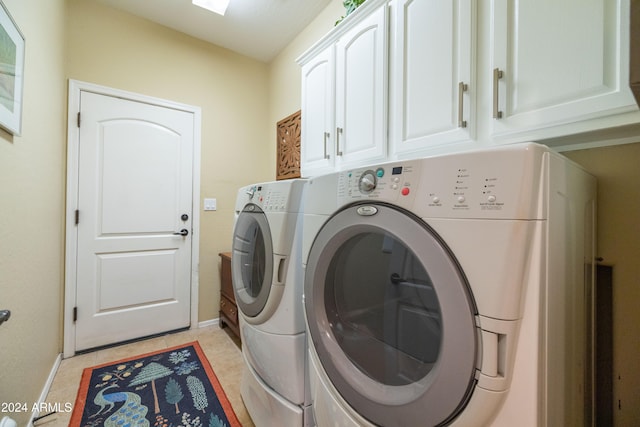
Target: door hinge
{"x": 75, "y": 313}
{"x": 77, "y": 216}
{"x": 78, "y": 118}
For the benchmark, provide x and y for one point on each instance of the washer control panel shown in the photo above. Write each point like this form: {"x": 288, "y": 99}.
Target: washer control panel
{"x": 274, "y": 197}
{"x": 500, "y": 183}
{"x": 269, "y": 199}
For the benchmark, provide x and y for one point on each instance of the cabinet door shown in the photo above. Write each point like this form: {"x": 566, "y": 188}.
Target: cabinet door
{"x": 361, "y": 81}
{"x": 563, "y": 64}
{"x": 318, "y": 97}
{"x": 433, "y": 83}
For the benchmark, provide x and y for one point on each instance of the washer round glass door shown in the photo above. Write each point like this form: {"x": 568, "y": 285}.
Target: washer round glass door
{"x": 391, "y": 316}
{"x": 252, "y": 260}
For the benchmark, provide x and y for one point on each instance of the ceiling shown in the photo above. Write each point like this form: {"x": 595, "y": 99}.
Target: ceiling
{"x": 259, "y": 29}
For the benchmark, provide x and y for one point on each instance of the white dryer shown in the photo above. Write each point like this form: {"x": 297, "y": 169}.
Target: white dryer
{"x": 267, "y": 282}
{"x": 452, "y": 290}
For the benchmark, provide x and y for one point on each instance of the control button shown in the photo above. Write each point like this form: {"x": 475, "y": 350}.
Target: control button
{"x": 461, "y": 199}
{"x": 380, "y": 172}
{"x": 396, "y": 179}
{"x": 491, "y": 198}
{"x": 394, "y": 186}
{"x": 436, "y": 199}
{"x": 405, "y": 191}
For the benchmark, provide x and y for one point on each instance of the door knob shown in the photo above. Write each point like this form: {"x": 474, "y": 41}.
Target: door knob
{"x": 183, "y": 232}
{"x": 4, "y": 316}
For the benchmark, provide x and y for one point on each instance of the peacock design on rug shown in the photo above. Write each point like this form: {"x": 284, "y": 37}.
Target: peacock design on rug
{"x": 132, "y": 413}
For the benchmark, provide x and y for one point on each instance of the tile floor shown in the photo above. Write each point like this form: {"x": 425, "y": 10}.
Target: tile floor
{"x": 219, "y": 345}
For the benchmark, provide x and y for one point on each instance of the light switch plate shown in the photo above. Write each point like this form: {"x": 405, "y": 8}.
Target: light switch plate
{"x": 210, "y": 204}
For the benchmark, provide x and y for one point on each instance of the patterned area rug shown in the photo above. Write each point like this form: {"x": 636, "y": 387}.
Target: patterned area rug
{"x": 175, "y": 387}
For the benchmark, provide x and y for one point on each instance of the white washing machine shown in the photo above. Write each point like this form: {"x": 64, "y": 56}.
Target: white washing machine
{"x": 452, "y": 290}
{"x": 267, "y": 281}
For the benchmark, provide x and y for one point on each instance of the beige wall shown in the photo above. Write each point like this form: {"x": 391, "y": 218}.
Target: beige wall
{"x": 31, "y": 210}
{"x": 119, "y": 50}
{"x": 618, "y": 171}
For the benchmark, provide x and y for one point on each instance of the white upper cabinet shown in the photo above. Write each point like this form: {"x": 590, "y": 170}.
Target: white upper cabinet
{"x": 344, "y": 93}
{"x": 316, "y": 151}
{"x": 433, "y": 83}
{"x": 556, "y": 66}
{"x": 464, "y": 74}
{"x": 361, "y": 91}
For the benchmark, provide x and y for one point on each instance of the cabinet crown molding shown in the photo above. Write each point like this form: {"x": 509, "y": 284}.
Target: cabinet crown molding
{"x": 347, "y": 23}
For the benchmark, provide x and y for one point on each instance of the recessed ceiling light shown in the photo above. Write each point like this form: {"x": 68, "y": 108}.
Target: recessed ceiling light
{"x": 217, "y": 6}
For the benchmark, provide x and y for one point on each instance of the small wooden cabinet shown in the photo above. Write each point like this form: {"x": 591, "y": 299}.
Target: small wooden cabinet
{"x": 228, "y": 307}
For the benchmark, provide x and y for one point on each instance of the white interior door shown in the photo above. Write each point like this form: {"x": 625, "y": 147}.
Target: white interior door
{"x": 135, "y": 193}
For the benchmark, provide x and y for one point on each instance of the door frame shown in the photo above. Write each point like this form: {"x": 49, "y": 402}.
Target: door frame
{"x": 76, "y": 87}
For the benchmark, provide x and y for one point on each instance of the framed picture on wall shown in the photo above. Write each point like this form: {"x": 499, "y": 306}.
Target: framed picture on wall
{"x": 11, "y": 73}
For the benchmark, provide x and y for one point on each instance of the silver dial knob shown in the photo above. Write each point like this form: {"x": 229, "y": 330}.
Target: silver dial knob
{"x": 367, "y": 182}
{"x": 251, "y": 192}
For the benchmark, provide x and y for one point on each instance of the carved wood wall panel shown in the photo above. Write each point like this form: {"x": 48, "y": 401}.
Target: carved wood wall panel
{"x": 288, "y": 143}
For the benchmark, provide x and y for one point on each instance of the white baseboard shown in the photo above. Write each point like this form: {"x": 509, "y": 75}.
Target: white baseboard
{"x": 210, "y": 322}
{"x": 46, "y": 388}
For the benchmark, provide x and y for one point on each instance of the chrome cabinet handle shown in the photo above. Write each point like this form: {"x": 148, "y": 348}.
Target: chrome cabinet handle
{"x": 183, "y": 232}
{"x": 326, "y": 136}
{"x": 462, "y": 88}
{"x": 497, "y": 75}
{"x": 338, "y": 133}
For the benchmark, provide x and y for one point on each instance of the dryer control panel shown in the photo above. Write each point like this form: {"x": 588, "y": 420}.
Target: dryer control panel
{"x": 504, "y": 182}
{"x": 279, "y": 196}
